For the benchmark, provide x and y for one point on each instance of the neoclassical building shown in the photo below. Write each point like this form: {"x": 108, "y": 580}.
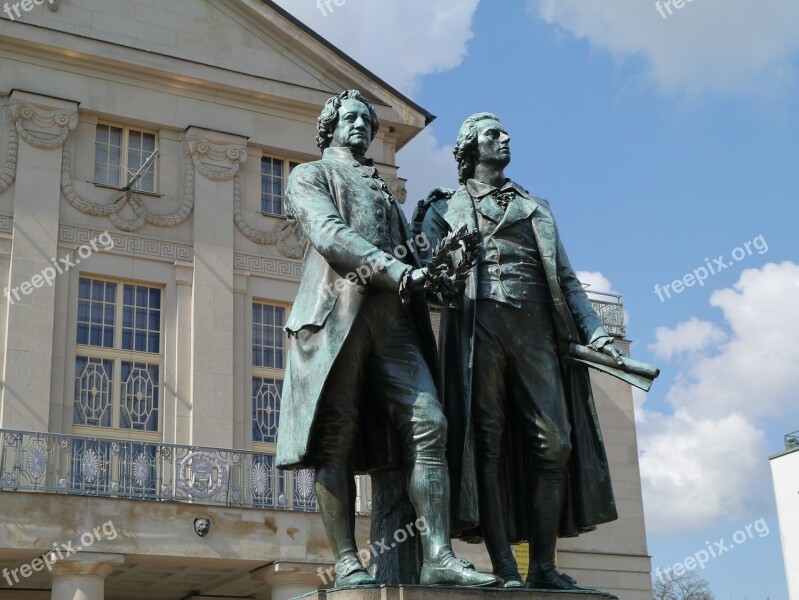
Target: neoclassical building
{"x": 147, "y": 272}
{"x": 785, "y": 477}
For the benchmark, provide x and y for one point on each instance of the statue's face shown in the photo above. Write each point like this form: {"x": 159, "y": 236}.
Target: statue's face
{"x": 493, "y": 143}
{"x": 354, "y": 127}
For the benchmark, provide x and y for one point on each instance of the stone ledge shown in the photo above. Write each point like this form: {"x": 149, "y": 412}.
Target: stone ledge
{"x": 418, "y": 592}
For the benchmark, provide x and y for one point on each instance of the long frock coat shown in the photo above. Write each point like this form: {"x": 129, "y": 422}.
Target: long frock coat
{"x": 590, "y": 499}
{"x": 339, "y": 215}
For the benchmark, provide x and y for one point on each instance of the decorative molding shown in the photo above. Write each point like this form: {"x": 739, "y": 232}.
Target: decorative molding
{"x": 184, "y": 273}
{"x": 40, "y": 127}
{"x": 49, "y": 129}
{"x": 6, "y": 224}
{"x": 128, "y": 245}
{"x": 277, "y": 237}
{"x": 227, "y": 158}
{"x": 10, "y": 171}
{"x": 268, "y": 265}
{"x": 111, "y": 210}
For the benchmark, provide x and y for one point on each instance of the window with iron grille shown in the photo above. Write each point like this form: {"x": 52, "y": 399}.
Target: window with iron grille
{"x": 118, "y": 359}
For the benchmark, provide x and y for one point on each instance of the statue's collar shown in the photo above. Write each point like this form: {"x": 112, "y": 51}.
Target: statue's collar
{"x": 478, "y": 189}
{"x": 344, "y": 153}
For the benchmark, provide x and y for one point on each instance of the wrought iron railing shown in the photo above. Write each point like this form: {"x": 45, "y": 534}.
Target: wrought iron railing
{"x": 792, "y": 440}
{"x": 610, "y": 309}
{"x": 93, "y": 466}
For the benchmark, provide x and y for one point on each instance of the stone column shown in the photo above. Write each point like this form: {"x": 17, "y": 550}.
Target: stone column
{"x": 290, "y": 580}
{"x": 82, "y": 576}
{"x": 184, "y": 273}
{"x": 216, "y": 158}
{"x": 43, "y": 125}
{"x": 242, "y": 357}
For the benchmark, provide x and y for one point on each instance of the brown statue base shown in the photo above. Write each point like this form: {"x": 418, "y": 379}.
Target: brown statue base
{"x": 417, "y": 592}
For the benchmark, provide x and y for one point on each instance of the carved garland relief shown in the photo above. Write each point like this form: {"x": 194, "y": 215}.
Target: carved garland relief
{"x": 50, "y": 129}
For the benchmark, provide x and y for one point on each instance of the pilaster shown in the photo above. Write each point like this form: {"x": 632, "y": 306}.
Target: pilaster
{"x": 43, "y": 125}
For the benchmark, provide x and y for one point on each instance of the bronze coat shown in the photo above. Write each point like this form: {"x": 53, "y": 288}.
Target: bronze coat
{"x": 591, "y": 500}
{"x": 339, "y": 217}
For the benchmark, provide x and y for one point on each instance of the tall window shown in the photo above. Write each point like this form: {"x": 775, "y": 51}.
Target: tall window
{"x": 119, "y": 359}
{"x": 274, "y": 173}
{"x": 119, "y": 152}
{"x": 270, "y": 487}
{"x": 268, "y": 363}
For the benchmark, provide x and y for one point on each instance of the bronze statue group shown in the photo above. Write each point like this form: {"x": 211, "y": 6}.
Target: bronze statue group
{"x": 497, "y": 430}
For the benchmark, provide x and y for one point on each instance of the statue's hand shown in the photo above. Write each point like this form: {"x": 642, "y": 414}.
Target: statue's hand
{"x": 612, "y": 351}
{"x": 418, "y": 278}
{"x": 450, "y": 287}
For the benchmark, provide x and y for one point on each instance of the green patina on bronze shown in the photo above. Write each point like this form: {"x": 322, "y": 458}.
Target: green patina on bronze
{"x": 525, "y": 450}
{"x": 359, "y": 392}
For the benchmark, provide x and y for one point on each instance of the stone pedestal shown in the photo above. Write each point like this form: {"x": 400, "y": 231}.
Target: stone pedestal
{"x": 415, "y": 592}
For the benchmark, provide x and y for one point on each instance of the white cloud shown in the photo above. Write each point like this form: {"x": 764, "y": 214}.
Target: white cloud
{"x": 398, "y": 40}
{"x": 706, "y": 46}
{"x": 690, "y": 336}
{"x": 704, "y": 462}
{"x": 697, "y": 471}
{"x": 756, "y": 371}
{"x": 596, "y": 282}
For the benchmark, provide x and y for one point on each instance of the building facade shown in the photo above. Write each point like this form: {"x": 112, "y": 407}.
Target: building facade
{"x": 785, "y": 475}
{"x": 147, "y": 272}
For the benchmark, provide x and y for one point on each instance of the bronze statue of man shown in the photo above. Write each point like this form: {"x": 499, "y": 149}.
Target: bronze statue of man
{"x": 359, "y": 393}
{"x": 523, "y": 430}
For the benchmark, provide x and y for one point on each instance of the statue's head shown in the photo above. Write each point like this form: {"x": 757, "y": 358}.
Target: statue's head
{"x": 349, "y": 121}
{"x": 482, "y": 138}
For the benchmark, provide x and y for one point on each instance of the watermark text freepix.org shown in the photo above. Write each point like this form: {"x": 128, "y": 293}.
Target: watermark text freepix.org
{"x": 25, "y": 5}
{"x": 60, "y": 552}
{"x": 326, "y": 6}
{"x": 665, "y": 7}
{"x": 703, "y": 556}
{"x": 700, "y": 274}
{"x": 364, "y": 272}
{"x": 379, "y": 547}
{"x": 59, "y": 267}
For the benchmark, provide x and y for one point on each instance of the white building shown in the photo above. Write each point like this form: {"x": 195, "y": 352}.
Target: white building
{"x": 141, "y": 336}
{"x": 785, "y": 473}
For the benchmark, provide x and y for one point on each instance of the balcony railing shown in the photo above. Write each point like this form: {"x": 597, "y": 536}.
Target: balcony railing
{"x": 792, "y": 440}
{"x": 610, "y": 309}
{"x": 69, "y": 464}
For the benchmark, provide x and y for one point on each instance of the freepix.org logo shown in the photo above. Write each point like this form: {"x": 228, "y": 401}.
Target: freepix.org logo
{"x": 26, "y": 6}
{"x": 700, "y": 274}
{"x": 326, "y": 6}
{"x": 59, "y": 552}
{"x": 665, "y": 8}
{"x": 58, "y": 266}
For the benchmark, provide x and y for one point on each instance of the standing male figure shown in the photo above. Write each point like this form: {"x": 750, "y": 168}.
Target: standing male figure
{"x": 361, "y": 352}
{"x": 523, "y": 427}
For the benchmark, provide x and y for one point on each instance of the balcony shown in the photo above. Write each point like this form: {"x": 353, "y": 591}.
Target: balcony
{"x": 91, "y": 466}
{"x": 610, "y": 308}
{"x": 792, "y": 441}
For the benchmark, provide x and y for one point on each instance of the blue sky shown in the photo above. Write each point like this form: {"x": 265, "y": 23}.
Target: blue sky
{"x": 662, "y": 144}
